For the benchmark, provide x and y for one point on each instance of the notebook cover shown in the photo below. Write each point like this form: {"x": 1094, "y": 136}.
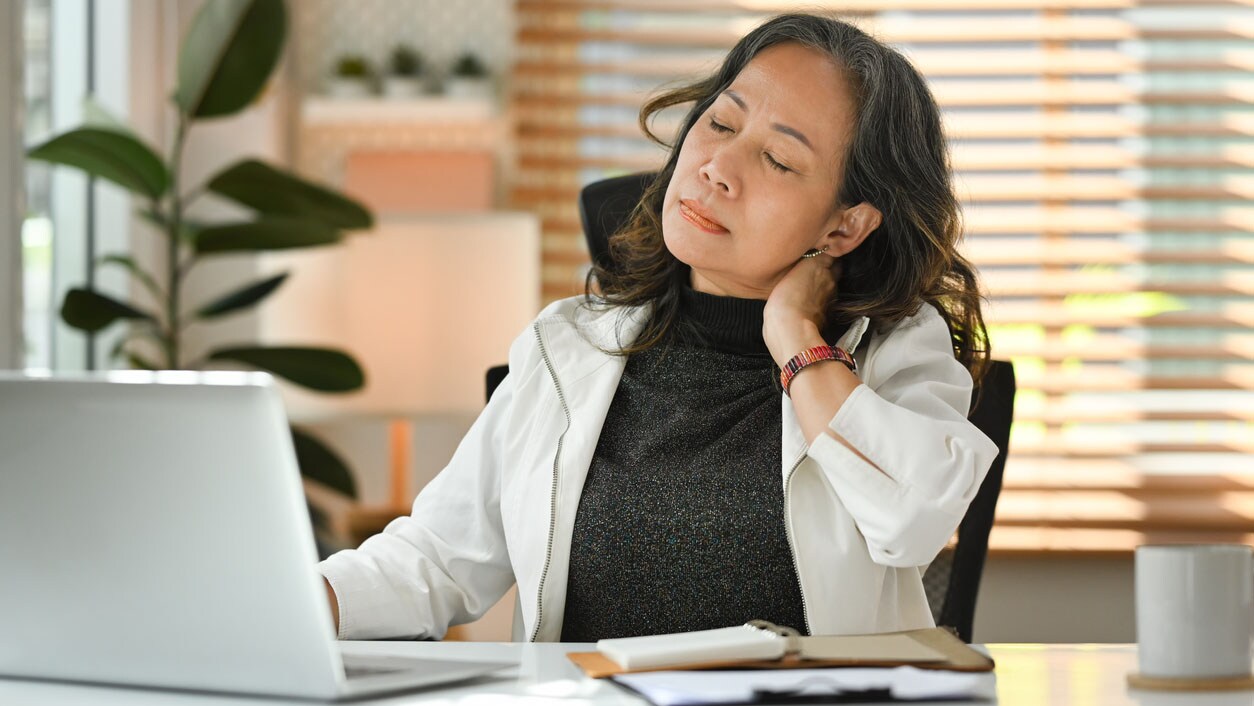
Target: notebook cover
{"x": 958, "y": 657}
{"x": 884, "y": 646}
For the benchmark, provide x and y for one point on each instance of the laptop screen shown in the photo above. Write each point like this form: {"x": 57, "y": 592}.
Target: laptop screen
{"x": 155, "y": 532}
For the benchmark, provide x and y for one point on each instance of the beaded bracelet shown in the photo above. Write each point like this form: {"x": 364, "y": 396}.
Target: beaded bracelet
{"x": 813, "y": 355}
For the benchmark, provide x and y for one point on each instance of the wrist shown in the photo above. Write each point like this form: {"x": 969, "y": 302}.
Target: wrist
{"x": 335, "y": 604}
{"x": 788, "y": 338}
{"x": 811, "y": 356}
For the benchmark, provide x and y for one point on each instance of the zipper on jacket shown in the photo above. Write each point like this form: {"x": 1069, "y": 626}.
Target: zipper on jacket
{"x": 548, "y": 553}
{"x": 792, "y": 547}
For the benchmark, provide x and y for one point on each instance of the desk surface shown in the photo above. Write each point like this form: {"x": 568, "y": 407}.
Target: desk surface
{"x": 1027, "y": 675}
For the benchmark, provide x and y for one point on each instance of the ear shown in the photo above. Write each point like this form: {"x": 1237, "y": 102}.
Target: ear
{"x": 850, "y": 228}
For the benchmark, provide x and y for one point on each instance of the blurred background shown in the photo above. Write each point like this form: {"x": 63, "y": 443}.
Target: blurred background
{"x": 1104, "y": 152}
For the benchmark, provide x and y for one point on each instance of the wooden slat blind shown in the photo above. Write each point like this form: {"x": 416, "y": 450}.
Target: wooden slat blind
{"x": 1105, "y": 157}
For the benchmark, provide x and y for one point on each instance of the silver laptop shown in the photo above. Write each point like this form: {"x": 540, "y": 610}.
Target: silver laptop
{"x": 153, "y": 531}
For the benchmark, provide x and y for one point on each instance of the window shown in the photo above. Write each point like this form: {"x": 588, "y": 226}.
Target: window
{"x": 1105, "y": 153}
{"x": 73, "y": 49}
{"x": 37, "y": 227}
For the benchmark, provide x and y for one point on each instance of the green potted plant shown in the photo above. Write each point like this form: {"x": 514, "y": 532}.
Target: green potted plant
{"x": 353, "y": 78}
{"x": 224, "y": 64}
{"x": 404, "y": 77}
{"x": 468, "y": 78}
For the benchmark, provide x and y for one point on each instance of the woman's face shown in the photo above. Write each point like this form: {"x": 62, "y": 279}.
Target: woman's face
{"x": 757, "y": 176}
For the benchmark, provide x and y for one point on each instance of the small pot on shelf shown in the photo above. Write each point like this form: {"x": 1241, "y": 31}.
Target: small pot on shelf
{"x": 404, "y": 79}
{"x": 469, "y": 78}
{"x": 352, "y": 79}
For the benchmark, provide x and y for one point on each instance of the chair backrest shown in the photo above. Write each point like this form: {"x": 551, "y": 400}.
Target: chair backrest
{"x": 604, "y": 207}
{"x": 953, "y": 580}
{"x": 495, "y": 375}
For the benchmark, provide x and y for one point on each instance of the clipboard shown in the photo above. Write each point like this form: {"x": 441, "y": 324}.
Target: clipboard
{"x": 954, "y": 655}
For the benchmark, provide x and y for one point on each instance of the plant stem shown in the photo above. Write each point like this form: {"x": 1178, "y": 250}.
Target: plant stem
{"x": 193, "y": 195}
{"x": 187, "y": 266}
{"x": 175, "y": 273}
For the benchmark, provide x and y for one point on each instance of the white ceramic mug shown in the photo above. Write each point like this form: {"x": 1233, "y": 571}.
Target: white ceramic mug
{"x": 1194, "y": 610}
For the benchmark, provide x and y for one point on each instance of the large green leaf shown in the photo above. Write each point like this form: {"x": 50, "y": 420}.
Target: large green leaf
{"x": 139, "y": 273}
{"x": 278, "y": 193}
{"x": 91, "y": 311}
{"x": 269, "y": 233}
{"x": 318, "y": 462}
{"x": 228, "y": 55}
{"x": 241, "y": 298}
{"x": 108, "y": 154}
{"x": 322, "y": 369}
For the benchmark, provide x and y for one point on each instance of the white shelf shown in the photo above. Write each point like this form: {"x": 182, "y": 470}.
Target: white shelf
{"x": 324, "y": 110}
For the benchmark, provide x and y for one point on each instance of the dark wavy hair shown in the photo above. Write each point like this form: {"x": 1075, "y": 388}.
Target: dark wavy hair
{"x": 897, "y": 161}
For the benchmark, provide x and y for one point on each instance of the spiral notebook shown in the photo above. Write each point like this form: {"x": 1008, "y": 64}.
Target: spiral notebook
{"x": 759, "y": 644}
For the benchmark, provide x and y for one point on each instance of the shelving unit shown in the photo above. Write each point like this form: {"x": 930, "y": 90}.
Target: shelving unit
{"x": 332, "y": 130}
{"x": 318, "y": 111}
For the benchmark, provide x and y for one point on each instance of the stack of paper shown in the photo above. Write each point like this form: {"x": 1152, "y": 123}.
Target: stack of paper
{"x": 693, "y": 688}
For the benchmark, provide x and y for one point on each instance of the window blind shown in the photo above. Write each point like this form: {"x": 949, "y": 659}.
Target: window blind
{"x": 1104, "y": 152}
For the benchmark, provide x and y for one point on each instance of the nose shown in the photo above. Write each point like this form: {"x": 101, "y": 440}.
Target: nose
{"x": 719, "y": 173}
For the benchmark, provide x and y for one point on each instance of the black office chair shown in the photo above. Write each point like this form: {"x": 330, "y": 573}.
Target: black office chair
{"x": 952, "y": 581}
{"x": 604, "y": 206}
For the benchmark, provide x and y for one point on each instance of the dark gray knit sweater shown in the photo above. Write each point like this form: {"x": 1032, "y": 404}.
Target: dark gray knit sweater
{"x": 681, "y": 522}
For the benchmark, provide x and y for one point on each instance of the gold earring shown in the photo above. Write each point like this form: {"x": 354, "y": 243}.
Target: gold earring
{"x": 814, "y": 252}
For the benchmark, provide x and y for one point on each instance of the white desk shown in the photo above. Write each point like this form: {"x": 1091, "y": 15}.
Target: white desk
{"x": 1027, "y": 675}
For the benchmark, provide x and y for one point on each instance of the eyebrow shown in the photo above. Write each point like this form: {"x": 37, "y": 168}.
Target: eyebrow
{"x": 791, "y": 132}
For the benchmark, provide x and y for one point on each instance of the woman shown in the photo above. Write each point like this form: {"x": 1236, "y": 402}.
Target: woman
{"x": 646, "y": 467}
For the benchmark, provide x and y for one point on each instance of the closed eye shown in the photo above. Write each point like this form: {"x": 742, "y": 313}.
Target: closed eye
{"x": 777, "y": 166}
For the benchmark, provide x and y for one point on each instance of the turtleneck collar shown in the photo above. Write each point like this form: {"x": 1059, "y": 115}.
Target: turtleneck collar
{"x": 729, "y": 324}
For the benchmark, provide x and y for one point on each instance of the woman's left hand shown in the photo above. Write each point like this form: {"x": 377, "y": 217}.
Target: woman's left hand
{"x": 796, "y": 307}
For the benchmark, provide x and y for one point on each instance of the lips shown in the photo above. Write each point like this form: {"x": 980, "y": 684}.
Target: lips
{"x": 694, "y": 214}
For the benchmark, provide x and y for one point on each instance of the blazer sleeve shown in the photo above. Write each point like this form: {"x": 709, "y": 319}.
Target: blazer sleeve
{"x": 446, "y": 562}
{"x": 909, "y": 417}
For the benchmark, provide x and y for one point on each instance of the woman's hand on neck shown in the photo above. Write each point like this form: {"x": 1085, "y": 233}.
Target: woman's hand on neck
{"x": 796, "y": 307}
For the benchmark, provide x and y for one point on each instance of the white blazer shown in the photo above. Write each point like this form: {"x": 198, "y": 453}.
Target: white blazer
{"x": 503, "y": 510}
